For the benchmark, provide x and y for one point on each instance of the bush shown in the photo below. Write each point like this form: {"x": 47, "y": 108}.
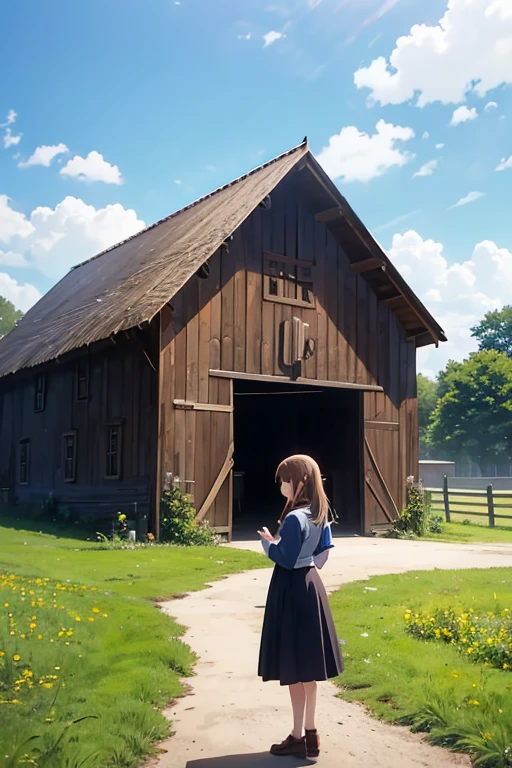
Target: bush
{"x": 178, "y": 521}
{"x": 435, "y": 524}
{"x": 412, "y": 521}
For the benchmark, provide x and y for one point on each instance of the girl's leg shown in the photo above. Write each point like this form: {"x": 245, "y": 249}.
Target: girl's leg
{"x": 310, "y": 690}
{"x": 298, "y": 697}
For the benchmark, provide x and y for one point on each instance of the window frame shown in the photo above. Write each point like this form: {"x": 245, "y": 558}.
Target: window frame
{"x": 108, "y": 427}
{"x": 24, "y": 480}
{"x": 65, "y": 436}
{"x": 274, "y": 276}
{"x": 82, "y": 397}
{"x": 40, "y": 406}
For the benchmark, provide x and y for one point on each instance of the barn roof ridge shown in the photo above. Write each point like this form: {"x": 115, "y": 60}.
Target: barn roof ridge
{"x": 196, "y": 202}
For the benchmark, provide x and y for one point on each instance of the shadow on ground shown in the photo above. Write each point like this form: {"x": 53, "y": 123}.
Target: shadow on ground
{"x": 260, "y": 760}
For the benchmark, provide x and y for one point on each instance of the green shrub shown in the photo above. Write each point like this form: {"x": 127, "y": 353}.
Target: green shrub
{"x": 178, "y": 521}
{"x": 435, "y": 524}
{"x": 412, "y": 521}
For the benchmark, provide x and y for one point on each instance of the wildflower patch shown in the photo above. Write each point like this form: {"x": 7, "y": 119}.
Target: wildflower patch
{"x": 483, "y": 637}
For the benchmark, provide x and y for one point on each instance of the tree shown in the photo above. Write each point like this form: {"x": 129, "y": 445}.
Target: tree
{"x": 495, "y": 331}
{"x": 427, "y": 400}
{"x": 9, "y": 316}
{"x": 473, "y": 416}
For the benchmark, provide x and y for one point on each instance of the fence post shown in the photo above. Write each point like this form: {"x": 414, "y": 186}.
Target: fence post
{"x": 490, "y": 506}
{"x": 446, "y": 499}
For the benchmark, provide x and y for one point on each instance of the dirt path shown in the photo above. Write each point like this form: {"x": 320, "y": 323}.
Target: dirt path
{"x": 231, "y": 718}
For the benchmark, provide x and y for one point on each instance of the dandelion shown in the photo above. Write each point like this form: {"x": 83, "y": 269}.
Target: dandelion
{"x": 474, "y": 703}
{"x": 16, "y": 657}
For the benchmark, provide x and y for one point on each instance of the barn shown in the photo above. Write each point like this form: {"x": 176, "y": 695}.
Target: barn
{"x": 259, "y": 321}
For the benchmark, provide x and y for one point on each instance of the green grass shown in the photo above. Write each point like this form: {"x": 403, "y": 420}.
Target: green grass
{"x": 398, "y": 676}
{"x": 458, "y": 532}
{"x": 465, "y": 507}
{"x": 121, "y": 668}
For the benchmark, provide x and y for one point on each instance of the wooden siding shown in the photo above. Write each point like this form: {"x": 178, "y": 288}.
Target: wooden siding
{"x": 223, "y": 323}
{"x": 122, "y": 389}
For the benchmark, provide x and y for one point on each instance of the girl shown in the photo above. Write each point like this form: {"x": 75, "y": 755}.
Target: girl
{"x": 299, "y": 645}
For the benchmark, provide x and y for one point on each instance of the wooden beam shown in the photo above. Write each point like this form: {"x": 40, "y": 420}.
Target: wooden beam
{"x": 394, "y": 302}
{"x": 387, "y": 426}
{"x": 331, "y": 214}
{"x": 188, "y": 405}
{"x": 381, "y": 478}
{"x": 300, "y": 380}
{"x": 367, "y": 265}
{"x": 221, "y": 477}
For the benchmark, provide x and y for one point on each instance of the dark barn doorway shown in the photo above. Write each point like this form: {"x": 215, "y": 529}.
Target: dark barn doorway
{"x": 273, "y": 421}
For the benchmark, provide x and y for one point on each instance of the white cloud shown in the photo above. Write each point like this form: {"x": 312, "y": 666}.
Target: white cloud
{"x": 177, "y": 181}
{"x": 11, "y": 259}
{"x": 504, "y": 164}
{"x": 92, "y": 168}
{"x": 469, "y": 198}
{"x": 44, "y": 155}
{"x": 10, "y": 140}
{"x": 463, "y": 114}
{"x": 245, "y": 37}
{"x": 458, "y": 294}
{"x": 22, "y": 295}
{"x": 10, "y": 119}
{"x": 356, "y": 156}
{"x": 426, "y": 135}
{"x": 439, "y": 146}
{"x": 470, "y": 49}
{"x": 312, "y": 4}
{"x": 490, "y": 105}
{"x": 52, "y": 240}
{"x": 427, "y": 169}
{"x": 12, "y": 223}
{"x": 271, "y": 37}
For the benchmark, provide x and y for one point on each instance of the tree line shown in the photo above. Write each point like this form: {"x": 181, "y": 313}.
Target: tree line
{"x": 466, "y": 414}
{"x": 9, "y": 316}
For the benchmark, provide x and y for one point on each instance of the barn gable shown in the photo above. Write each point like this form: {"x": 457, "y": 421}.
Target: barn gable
{"x": 129, "y": 284}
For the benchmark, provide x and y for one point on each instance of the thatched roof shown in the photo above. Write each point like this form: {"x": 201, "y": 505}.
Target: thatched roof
{"x": 131, "y": 282}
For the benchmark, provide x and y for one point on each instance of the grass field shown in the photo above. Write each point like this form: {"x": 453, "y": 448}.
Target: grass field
{"x": 473, "y": 505}
{"x": 399, "y": 677}
{"x": 80, "y": 638}
{"x": 458, "y": 532}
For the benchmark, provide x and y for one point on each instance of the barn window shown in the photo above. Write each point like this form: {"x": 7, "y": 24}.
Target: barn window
{"x": 82, "y": 380}
{"x": 288, "y": 281}
{"x": 113, "y": 452}
{"x": 24, "y": 464}
{"x": 40, "y": 392}
{"x": 69, "y": 456}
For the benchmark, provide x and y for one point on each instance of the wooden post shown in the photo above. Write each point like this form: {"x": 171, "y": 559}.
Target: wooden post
{"x": 490, "y": 506}
{"x": 446, "y": 499}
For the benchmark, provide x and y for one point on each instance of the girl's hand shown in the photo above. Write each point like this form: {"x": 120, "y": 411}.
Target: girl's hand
{"x": 265, "y": 534}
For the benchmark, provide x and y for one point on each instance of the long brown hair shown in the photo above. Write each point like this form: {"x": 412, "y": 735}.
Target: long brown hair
{"x": 308, "y": 489}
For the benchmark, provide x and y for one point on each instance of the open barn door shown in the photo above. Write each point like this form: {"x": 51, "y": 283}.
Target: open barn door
{"x": 213, "y": 461}
{"x": 381, "y": 473}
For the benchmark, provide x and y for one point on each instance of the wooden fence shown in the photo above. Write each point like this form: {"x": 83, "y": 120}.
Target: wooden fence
{"x": 470, "y": 503}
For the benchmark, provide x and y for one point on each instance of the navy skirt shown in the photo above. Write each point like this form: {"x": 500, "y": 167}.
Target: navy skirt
{"x": 298, "y": 642}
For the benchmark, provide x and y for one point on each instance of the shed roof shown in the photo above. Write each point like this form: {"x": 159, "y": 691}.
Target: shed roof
{"x": 128, "y": 284}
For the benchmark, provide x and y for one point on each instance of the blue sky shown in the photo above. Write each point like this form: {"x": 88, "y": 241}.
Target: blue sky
{"x": 174, "y": 99}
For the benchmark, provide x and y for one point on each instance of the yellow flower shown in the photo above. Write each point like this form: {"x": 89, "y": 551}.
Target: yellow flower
{"x": 454, "y": 674}
{"x": 91, "y": 618}
{"x": 475, "y": 685}
{"x": 488, "y": 736}
{"x": 95, "y": 610}
{"x": 23, "y": 636}
{"x": 69, "y": 633}
{"x": 16, "y": 657}
{"x": 2, "y": 654}
{"x": 32, "y": 625}
{"x": 6, "y": 605}
{"x": 474, "y": 703}
{"x": 77, "y": 618}
{"x": 39, "y": 637}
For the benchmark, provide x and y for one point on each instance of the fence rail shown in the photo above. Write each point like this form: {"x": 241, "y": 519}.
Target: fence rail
{"x": 464, "y": 502}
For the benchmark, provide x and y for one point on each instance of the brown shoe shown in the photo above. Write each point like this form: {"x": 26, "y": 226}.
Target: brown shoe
{"x": 312, "y": 743}
{"x": 290, "y": 747}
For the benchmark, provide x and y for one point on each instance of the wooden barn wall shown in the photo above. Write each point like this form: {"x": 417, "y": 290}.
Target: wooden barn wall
{"x": 122, "y": 387}
{"x": 223, "y": 323}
